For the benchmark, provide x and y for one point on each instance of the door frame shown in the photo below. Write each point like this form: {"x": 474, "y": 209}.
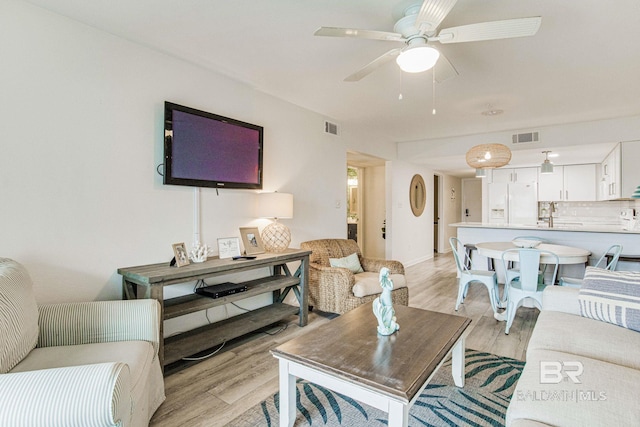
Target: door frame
{"x": 438, "y": 187}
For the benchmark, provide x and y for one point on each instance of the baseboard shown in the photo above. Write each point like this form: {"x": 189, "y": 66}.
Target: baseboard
{"x": 417, "y": 261}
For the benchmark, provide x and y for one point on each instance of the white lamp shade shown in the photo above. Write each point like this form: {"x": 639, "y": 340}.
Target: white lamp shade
{"x": 274, "y": 205}
{"x": 417, "y": 59}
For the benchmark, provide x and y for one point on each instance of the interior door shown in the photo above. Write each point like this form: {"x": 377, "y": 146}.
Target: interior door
{"x": 472, "y": 200}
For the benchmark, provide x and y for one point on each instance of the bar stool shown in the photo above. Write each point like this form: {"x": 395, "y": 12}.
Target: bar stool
{"x": 469, "y": 248}
{"x": 612, "y": 257}
{"x": 628, "y": 258}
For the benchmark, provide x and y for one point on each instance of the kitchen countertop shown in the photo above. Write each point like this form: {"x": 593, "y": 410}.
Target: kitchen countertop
{"x": 589, "y": 228}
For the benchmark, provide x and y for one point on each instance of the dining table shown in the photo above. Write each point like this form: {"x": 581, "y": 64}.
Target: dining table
{"x": 566, "y": 254}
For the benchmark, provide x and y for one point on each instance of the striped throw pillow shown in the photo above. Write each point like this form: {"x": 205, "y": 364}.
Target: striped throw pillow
{"x": 611, "y": 296}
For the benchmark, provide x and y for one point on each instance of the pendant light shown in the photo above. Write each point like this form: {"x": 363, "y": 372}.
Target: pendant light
{"x": 488, "y": 156}
{"x": 546, "y": 167}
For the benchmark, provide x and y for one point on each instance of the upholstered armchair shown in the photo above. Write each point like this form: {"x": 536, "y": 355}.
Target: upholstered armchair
{"x": 338, "y": 289}
{"x": 76, "y": 364}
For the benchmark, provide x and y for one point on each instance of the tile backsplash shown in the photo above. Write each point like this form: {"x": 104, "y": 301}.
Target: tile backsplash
{"x": 605, "y": 213}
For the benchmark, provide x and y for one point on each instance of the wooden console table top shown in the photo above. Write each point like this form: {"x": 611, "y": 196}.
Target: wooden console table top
{"x": 162, "y": 274}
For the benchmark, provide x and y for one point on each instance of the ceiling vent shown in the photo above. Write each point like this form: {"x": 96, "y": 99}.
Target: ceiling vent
{"x": 519, "y": 138}
{"x": 331, "y": 128}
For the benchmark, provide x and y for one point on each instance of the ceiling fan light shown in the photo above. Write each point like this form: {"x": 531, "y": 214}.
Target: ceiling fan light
{"x": 417, "y": 59}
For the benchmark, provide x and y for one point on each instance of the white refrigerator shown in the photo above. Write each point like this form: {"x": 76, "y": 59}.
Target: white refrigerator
{"x": 513, "y": 203}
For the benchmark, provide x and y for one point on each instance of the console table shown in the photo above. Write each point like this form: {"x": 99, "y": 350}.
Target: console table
{"x": 148, "y": 281}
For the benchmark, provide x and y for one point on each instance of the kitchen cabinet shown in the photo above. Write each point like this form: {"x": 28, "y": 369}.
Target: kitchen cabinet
{"x": 580, "y": 183}
{"x": 610, "y": 176}
{"x": 551, "y": 185}
{"x": 514, "y": 175}
{"x": 570, "y": 183}
{"x": 619, "y": 172}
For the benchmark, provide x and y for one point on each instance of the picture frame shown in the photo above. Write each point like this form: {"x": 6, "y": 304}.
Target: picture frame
{"x": 228, "y": 247}
{"x": 180, "y": 253}
{"x": 251, "y": 240}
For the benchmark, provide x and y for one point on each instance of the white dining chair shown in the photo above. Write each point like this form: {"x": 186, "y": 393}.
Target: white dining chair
{"x": 615, "y": 250}
{"x": 467, "y": 276}
{"x": 527, "y": 284}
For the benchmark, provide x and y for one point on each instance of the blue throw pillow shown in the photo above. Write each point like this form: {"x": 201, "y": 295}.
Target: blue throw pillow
{"x": 352, "y": 262}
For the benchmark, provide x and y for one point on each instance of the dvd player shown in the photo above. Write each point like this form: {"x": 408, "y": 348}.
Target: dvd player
{"x": 221, "y": 290}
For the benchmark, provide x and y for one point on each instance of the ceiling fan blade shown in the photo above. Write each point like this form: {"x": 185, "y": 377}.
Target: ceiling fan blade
{"x": 371, "y": 66}
{"x": 444, "y": 69}
{"x": 361, "y": 34}
{"x": 519, "y": 27}
{"x": 431, "y": 14}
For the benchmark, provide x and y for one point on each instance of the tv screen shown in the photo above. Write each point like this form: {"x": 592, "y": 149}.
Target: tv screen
{"x": 206, "y": 150}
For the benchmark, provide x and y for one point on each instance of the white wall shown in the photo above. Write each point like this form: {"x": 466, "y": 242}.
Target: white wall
{"x": 409, "y": 238}
{"x": 82, "y": 114}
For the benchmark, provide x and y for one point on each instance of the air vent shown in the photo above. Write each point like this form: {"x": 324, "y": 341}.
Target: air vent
{"x": 519, "y": 138}
{"x": 331, "y": 128}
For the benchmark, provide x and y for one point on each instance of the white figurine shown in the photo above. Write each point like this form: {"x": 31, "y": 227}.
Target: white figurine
{"x": 383, "y": 308}
{"x": 199, "y": 253}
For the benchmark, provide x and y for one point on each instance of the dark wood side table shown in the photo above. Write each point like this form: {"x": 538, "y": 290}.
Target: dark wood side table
{"x": 387, "y": 372}
{"x": 148, "y": 281}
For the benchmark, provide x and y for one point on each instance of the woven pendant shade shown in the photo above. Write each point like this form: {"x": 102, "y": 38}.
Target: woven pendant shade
{"x": 487, "y": 156}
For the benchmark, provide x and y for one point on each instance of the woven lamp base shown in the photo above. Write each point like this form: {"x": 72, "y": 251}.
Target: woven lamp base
{"x": 276, "y": 237}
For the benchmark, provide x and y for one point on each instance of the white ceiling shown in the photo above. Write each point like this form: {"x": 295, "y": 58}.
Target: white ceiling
{"x": 582, "y": 65}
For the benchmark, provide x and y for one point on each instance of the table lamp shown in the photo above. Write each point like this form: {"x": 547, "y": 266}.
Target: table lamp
{"x": 275, "y": 236}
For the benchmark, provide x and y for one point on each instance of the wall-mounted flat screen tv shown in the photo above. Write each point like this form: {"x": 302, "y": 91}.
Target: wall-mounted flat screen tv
{"x": 206, "y": 150}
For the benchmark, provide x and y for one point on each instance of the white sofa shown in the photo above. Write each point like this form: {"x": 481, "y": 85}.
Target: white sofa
{"x": 603, "y": 357}
{"x": 76, "y": 364}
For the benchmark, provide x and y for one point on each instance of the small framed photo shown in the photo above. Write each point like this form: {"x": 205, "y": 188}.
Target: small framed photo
{"x": 180, "y": 252}
{"x": 228, "y": 247}
{"x": 251, "y": 240}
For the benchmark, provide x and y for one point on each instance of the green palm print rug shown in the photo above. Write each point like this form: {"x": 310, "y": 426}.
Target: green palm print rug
{"x": 489, "y": 384}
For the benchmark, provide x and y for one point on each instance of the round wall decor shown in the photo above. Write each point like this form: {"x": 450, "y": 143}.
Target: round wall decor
{"x": 417, "y": 195}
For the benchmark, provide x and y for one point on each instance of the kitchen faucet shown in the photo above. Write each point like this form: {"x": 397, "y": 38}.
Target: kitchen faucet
{"x": 552, "y": 209}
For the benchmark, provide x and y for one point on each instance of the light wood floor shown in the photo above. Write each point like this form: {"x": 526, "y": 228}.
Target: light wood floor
{"x": 215, "y": 391}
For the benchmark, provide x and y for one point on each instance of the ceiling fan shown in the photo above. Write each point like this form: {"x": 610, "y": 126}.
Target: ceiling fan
{"x": 418, "y": 29}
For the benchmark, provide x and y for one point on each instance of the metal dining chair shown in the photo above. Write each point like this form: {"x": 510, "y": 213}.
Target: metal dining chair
{"x": 467, "y": 276}
{"x": 527, "y": 284}
{"x": 538, "y": 239}
{"x": 613, "y": 253}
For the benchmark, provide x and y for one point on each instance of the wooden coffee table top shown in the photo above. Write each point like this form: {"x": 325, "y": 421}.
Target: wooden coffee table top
{"x": 350, "y": 348}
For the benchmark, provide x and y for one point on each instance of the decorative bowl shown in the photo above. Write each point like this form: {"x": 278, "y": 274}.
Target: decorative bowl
{"x": 525, "y": 243}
